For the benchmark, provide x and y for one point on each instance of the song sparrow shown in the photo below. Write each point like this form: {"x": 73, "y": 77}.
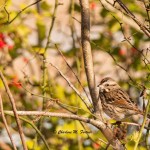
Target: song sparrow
{"x": 116, "y": 103}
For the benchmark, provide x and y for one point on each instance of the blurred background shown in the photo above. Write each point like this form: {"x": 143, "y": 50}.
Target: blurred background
{"x": 30, "y": 40}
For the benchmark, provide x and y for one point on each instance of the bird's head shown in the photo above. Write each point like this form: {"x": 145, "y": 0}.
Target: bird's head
{"x": 108, "y": 84}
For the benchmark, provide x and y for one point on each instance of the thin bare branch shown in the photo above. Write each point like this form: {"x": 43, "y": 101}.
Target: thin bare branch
{"x": 143, "y": 125}
{"x": 5, "y": 123}
{"x": 52, "y": 25}
{"x": 44, "y": 68}
{"x": 125, "y": 38}
{"x": 19, "y": 13}
{"x": 61, "y": 104}
{"x": 96, "y": 123}
{"x": 121, "y": 66}
{"x": 72, "y": 72}
{"x": 73, "y": 87}
{"x": 14, "y": 110}
{"x": 88, "y": 135}
{"x": 128, "y": 40}
{"x": 147, "y": 11}
{"x": 36, "y": 129}
{"x": 76, "y": 20}
{"x": 135, "y": 124}
{"x": 127, "y": 12}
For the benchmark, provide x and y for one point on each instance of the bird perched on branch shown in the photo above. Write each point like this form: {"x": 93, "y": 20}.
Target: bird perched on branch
{"x": 116, "y": 103}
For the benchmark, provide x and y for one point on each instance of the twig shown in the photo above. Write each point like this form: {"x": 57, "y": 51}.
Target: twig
{"x": 44, "y": 68}
{"x": 134, "y": 82}
{"x": 83, "y": 125}
{"x": 135, "y": 124}
{"x": 39, "y": 11}
{"x": 36, "y": 129}
{"x": 72, "y": 71}
{"x": 120, "y": 66}
{"x": 131, "y": 15}
{"x": 142, "y": 127}
{"x": 147, "y": 11}
{"x": 125, "y": 8}
{"x": 76, "y": 20}
{"x": 19, "y": 13}
{"x": 143, "y": 27}
{"x": 147, "y": 137}
{"x": 72, "y": 86}
{"x": 7, "y": 13}
{"x": 96, "y": 123}
{"x": 128, "y": 40}
{"x": 57, "y": 101}
{"x": 72, "y": 23}
{"x": 52, "y": 25}
{"x": 103, "y": 141}
{"x": 65, "y": 107}
{"x": 5, "y": 123}
{"x": 14, "y": 110}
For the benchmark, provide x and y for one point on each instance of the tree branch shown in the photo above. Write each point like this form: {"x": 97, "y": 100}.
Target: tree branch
{"x": 88, "y": 64}
{"x": 131, "y": 15}
{"x": 72, "y": 71}
{"x": 5, "y": 123}
{"x": 73, "y": 87}
{"x": 87, "y": 54}
{"x": 98, "y": 124}
{"x": 143, "y": 124}
{"x": 14, "y": 110}
{"x": 19, "y": 13}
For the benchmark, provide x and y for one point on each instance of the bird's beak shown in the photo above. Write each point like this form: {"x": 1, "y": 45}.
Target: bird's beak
{"x": 101, "y": 88}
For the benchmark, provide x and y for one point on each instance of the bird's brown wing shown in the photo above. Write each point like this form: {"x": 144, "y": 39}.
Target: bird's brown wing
{"x": 122, "y": 99}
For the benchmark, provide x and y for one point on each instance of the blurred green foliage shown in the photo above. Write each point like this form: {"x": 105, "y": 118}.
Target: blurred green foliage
{"x": 36, "y": 20}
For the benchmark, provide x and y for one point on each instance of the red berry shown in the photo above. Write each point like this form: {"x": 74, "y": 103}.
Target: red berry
{"x": 92, "y": 5}
{"x": 96, "y": 145}
{"x": 16, "y": 82}
{"x": 122, "y": 52}
{"x": 2, "y": 44}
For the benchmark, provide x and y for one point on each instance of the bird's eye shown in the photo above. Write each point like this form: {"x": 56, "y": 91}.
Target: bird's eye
{"x": 107, "y": 84}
